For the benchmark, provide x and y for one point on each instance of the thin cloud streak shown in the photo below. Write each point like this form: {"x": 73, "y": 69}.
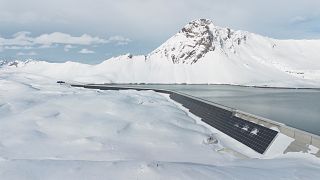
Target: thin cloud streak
{"x": 86, "y": 51}
{"x": 32, "y": 53}
{"x": 24, "y": 39}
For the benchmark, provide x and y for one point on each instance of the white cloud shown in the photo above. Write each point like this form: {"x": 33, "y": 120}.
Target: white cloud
{"x": 62, "y": 38}
{"x": 31, "y": 53}
{"x": 20, "y": 39}
{"x": 17, "y": 47}
{"x": 23, "y": 40}
{"x": 86, "y": 51}
{"x": 119, "y": 40}
{"x": 68, "y": 47}
{"x": 44, "y": 46}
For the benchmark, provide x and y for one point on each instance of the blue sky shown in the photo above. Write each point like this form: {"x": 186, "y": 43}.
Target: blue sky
{"x": 91, "y": 31}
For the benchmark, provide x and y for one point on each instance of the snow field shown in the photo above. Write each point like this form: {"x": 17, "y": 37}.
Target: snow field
{"x": 48, "y": 131}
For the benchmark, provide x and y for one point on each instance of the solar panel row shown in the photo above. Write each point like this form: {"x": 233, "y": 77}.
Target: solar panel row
{"x": 252, "y": 135}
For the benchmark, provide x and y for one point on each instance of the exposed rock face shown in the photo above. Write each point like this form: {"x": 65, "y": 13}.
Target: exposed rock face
{"x": 203, "y": 39}
{"x": 196, "y": 39}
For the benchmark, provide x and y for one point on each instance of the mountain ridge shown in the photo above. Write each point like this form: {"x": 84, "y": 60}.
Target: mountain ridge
{"x": 201, "y": 53}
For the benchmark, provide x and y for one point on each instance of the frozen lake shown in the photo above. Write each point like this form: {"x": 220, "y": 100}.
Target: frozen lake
{"x": 299, "y": 108}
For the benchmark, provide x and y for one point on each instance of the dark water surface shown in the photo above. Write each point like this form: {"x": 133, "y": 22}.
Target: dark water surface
{"x": 299, "y": 108}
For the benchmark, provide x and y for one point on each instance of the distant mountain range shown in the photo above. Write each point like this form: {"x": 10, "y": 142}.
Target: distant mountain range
{"x": 200, "y": 53}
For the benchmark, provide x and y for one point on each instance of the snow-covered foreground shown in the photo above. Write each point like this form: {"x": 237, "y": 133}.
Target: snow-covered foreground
{"x": 48, "y": 131}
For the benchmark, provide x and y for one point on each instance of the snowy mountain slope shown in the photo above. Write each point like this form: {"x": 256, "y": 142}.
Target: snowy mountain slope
{"x": 229, "y": 54}
{"x": 201, "y": 53}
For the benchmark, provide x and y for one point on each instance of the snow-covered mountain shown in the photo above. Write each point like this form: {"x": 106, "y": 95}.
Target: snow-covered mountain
{"x": 201, "y": 53}
{"x": 196, "y": 39}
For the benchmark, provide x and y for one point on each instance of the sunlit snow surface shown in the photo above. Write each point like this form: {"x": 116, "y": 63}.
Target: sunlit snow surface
{"x": 48, "y": 131}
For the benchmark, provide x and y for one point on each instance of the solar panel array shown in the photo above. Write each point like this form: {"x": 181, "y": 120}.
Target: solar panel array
{"x": 255, "y": 136}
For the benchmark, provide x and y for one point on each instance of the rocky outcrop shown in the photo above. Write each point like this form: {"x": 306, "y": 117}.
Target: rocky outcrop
{"x": 196, "y": 39}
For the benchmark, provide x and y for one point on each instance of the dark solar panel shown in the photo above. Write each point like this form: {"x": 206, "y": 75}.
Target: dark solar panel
{"x": 250, "y": 134}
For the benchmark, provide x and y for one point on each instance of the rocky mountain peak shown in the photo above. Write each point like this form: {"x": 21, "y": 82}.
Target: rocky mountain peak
{"x": 196, "y": 39}
{"x": 196, "y": 27}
